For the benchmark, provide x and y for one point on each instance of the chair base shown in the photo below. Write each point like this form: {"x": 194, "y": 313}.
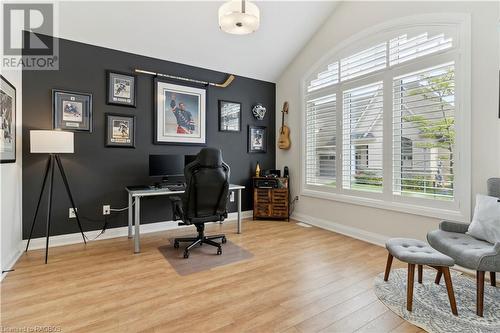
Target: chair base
{"x": 200, "y": 240}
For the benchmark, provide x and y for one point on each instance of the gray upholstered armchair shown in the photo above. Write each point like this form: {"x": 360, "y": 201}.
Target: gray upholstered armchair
{"x": 469, "y": 252}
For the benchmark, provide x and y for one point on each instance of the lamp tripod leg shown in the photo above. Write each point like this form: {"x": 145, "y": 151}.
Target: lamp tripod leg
{"x": 66, "y": 184}
{"x": 49, "y": 208}
{"x": 49, "y": 165}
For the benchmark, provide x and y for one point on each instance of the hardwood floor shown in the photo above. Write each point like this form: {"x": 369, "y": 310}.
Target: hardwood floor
{"x": 299, "y": 280}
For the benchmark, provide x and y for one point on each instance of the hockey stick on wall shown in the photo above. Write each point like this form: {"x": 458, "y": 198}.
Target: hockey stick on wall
{"x": 224, "y": 84}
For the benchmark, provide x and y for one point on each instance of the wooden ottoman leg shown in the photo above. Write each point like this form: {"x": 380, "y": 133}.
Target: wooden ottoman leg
{"x": 420, "y": 273}
{"x": 493, "y": 279}
{"x": 480, "y": 293}
{"x": 409, "y": 289}
{"x": 449, "y": 288}
{"x": 388, "y": 267}
{"x": 438, "y": 275}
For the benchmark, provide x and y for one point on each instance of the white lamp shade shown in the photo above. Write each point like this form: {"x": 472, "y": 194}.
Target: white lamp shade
{"x": 239, "y": 17}
{"x": 51, "y": 142}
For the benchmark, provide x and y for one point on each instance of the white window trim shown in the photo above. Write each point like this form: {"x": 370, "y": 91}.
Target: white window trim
{"x": 424, "y": 207}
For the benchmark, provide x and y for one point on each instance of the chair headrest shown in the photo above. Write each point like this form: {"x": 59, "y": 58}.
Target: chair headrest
{"x": 494, "y": 187}
{"x": 209, "y": 157}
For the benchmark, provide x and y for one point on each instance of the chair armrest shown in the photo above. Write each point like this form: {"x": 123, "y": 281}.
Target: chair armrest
{"x": 449, "y": 226}
{"x": 497, "y": 248}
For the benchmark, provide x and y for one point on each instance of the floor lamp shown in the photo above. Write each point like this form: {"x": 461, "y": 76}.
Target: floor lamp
{"x": 52, "y": 143}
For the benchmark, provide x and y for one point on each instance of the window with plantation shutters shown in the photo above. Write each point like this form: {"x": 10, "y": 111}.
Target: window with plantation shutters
{"x": 363, "y": 138}
{"x": 321, "y": 129}
{"x": 387, "y": 120}
{"x": 424, "y": 121}
{"x": 364, "y": 62}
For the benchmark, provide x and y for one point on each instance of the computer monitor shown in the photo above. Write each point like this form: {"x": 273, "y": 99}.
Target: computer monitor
{"x": 169, "y": 166}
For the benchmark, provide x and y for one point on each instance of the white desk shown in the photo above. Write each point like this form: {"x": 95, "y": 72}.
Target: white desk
{"x": 134, "y": 199}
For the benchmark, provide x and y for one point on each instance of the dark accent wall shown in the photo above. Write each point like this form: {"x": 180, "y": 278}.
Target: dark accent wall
{"x": 98, "y": 175}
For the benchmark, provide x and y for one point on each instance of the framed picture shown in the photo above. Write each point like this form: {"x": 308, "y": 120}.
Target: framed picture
{"x": 120, "y": 130}
{"x": 229, "y": 116}
{"x": 257, "y": 139}
{"x": 121, "y": 89}
{"x": 7, "y": 121}
{"x": 180, "y": 114}
{"x": 72, "y": 111}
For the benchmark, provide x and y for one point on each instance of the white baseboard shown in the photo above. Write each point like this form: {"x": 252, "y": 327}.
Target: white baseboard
{"x": 75, "y": 238}
{"x": 367, "y": 236}
{"x": 10, "y": 264}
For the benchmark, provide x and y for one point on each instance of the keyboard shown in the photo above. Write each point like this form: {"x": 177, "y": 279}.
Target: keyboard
{"x": 179, "y": 187}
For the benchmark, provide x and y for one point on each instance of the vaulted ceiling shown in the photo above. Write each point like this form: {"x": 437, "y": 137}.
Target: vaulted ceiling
{"x": 187, "y": 32}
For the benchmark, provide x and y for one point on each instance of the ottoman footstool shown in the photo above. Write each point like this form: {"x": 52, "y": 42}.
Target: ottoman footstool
{"x": 418, "y": 253}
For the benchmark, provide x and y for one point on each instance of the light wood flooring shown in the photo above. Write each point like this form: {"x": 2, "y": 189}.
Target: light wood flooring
{"x": 299, "y": 280}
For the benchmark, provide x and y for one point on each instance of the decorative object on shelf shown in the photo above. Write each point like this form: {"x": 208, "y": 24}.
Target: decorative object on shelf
{"x": 230, "y": 78}
{"x": 71, "y": 110}
{"x": 121, "y": 88}
{"x": 284, "y": 138}
{"x": 120, "y": 130}
{"x": 52, "y": 143}
{"x": 257, "y": 139}
{"x": 180, "y": 114}
{"x": 239, "y": 17}
{"x": 270, "y": 198}
{"x": 7, "y": 121}
{"x": 229, "y": 116}
{"x": 259, "y": 111}
{"x": 257, "y": 170}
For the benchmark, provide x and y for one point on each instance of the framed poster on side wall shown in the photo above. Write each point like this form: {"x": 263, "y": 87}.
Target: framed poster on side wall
{"x": 7, "y": 121}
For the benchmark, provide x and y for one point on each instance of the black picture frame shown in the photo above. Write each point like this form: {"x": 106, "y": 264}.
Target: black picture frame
{"x": 111, "y": 98}
{"x": 82, "y": 122}
{"x": 109, "y": 141}
{"x": 7, "y": 90}
{"x": 224, "y": 119}
{"x": 165, "y": 84}
{"x": 253, "y": 147}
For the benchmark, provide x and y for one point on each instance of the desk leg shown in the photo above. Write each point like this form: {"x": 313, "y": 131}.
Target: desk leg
{"x": 130, "y": 216}
{"x": 239, "y": 211}
{"x": 137, "y": 244}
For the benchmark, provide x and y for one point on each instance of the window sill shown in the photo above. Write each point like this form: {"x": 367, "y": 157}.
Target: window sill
{"x": 434, "y": 212}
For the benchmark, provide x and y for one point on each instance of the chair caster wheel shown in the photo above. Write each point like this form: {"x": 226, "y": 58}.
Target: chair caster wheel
{"x": 219, "y": 251}
{"x": 224, "y": 240}
{"x": 176, "y": 245}
{"x": 186, "y": 255}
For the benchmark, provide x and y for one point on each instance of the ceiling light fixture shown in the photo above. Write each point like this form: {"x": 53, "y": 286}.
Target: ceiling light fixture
{"x": 239, "y": 17}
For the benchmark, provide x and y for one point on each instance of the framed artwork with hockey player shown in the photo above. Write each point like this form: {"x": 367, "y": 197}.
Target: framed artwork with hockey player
{"x": 180, "y": 114}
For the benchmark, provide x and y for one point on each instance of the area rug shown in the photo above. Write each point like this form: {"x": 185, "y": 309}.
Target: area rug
{"x": 202, "y": 258}
{"x": 431, "y": 308}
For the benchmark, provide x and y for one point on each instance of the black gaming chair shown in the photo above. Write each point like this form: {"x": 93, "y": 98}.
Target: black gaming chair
{"x": 205, "y": 199}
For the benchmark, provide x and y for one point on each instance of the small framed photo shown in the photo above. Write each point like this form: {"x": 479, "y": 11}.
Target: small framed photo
{"x": 229, "y": 116}
{"x": 120, "y": 130}
{"x": 7, "y": 121}
{"x": 257, "y": 139}
{"x": 71, "y": 111}
{"x": 121, "y": 89}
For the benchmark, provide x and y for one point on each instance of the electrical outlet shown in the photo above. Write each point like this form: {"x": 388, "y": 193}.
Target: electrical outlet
{"x": 296, "y": 198}
{"x": 72, "y": 214}
{"x": 106, "y": 210}
{"x": 231, "y": 196}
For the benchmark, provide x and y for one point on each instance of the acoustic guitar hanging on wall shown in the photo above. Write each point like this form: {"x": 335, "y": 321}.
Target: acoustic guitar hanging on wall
{"x": 284, "y": 138}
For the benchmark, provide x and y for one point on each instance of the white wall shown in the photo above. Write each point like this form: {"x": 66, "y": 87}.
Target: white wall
{"x": 350, "y": 18}
{"x": 10, "y": 185}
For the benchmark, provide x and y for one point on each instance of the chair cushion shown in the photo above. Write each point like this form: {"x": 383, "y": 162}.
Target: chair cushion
{"x": 486, "y": 222}
{"x": 417, "y": 252}
{"x": 467, "y": 251}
